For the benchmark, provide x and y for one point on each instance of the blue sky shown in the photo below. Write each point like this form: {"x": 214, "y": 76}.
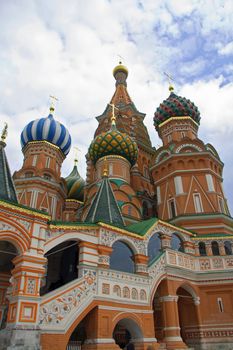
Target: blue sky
{"x": 69, "y": 48}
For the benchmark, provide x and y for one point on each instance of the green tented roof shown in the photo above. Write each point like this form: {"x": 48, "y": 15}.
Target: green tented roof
{"x": 142, "y": 227}
{"x": 7, "y": 188}
{"x": 104, "y": 207}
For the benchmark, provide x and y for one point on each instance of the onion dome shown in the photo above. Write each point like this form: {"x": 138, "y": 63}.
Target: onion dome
{"x": 120, "y": 68}
{"x": 47, "y": 129}
{"x": 113, "y": 142}
{"x": 75, "y": 184}
{"x": 120, "y": 73}
{"x": 176, "y": 106}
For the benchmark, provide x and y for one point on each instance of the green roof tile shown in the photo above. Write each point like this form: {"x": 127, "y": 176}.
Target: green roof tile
{"x": 142, "y": 227}
{"x": 7, "y": 188}
{"x": 104, "y": 207}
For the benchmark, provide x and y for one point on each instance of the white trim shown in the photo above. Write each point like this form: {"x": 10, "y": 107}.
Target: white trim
{"x": 173, "y": 339}
{"x": 115, "y": 308}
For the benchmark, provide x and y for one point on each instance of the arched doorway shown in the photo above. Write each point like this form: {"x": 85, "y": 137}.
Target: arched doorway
{"x": 187, "y": 312}
{"x": 7, "y": 252}
{"x": 126, "y": 333}
{"x": 62, "y": 265}
{"x": 78, "y": 337}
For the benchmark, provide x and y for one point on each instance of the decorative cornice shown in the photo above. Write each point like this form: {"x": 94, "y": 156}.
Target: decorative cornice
{"x": 24, "y": 210}
{"x": 177, "y": 118}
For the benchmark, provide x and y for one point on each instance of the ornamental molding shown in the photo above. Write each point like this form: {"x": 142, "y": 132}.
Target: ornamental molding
{"x": 157, "y": 159}
{"x": 197, "y": 148}
{"x": 169, "y": 298}
{"x": 59, "y": 310}
{"x": 108, "y": 238}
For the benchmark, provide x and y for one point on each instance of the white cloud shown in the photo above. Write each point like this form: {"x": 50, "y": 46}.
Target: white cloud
{"x": 227, "y": 49}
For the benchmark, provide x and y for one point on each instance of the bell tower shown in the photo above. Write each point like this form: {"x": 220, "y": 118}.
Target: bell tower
{"x": 187, "y": 173}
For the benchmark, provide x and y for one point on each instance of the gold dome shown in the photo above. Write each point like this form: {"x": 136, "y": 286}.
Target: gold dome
{"x": 120, "y": 68}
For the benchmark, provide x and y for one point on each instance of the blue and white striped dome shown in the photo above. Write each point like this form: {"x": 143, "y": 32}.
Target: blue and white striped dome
{"x": 47, "y": 129}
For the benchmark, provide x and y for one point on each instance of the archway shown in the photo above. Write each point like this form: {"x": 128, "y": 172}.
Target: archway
{"x": 177, "y": 243}
{"x": 187, "y": 312}
{"x": 62, "y": 265}
{"x": 154, "y": 247}
{"x": 126, "y": 333}
{"x": 78, "y": 337}
{"x": 8, "y": 252}
{"x": 121, "y": 258}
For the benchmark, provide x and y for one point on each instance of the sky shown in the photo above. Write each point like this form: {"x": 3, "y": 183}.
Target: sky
{"x": 69, "y": 48}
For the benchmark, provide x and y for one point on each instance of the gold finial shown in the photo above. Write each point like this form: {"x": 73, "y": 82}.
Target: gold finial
{"x": 4, "y": 132}
{"x": 76, "y": 150}
{"x": 170, "y": 79}
{"x": 105, "y": 171}
{"x": 113, "y": 118}
{"x": 53, "y": 99}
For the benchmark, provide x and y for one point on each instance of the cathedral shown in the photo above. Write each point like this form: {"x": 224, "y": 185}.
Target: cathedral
{"x": 138, "y": 255}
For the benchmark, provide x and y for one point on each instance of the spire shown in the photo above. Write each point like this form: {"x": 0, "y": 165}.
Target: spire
{"x": 104, "y": 206}
{"x": 52, "y": 104}
{"x": 170, "y": 79}
{"x": 7, "y": 188}
{"x": 121, "y": 96}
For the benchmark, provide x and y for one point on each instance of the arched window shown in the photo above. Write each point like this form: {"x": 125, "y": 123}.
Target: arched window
{"x": 154, "y": 246}
{"x": 145, "y": 210}
{"x": 215, "y": 248}
{"x": 177, "y": 243}
{"x": 228, "y": 248}
{"x": 202, "y": 248}
{"x": 121, "y": 257}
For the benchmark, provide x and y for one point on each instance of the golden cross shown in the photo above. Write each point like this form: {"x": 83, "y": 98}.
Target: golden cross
{"x": 76, "y": 150}
{"x": 53, "y": 99}
{"x": 170, "y": 79}
{"x": 113, "y": 118}
{"x": 4, "y": 132}
{"x": 121, "y": 59}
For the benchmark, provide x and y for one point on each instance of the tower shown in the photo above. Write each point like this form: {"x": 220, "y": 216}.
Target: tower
{"x": 187, "y": 173}
{"x": 130, "y": 121}
{"x": 45, "y": 144}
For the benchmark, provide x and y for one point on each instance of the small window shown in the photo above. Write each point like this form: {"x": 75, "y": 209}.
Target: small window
{"x": 34, "y": 160}
{"x": 215, "y": 248}
{"x": 202, "y": 249}
{"x": 169, "y": 138}
{"x": 158, "y": 195}
{"x": 145, "y": 210}
{"x": 183, "y": 134}
{"x": 221, "y": 205}
{"x": 145, "y": 172}
{"x": 171, "y": 208}
{"x": 47, "y": 164}
{"x": 210, "y": 183}
{"x": 47, "y": 177}
{"x": 220, "y": 305}
{"x": 129, "y": 210}
{"x": 110, "y": 169}
{"x": 228, "y": 248}
{"x": 197, "y": 203}
{"x": 178, "y": 184}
